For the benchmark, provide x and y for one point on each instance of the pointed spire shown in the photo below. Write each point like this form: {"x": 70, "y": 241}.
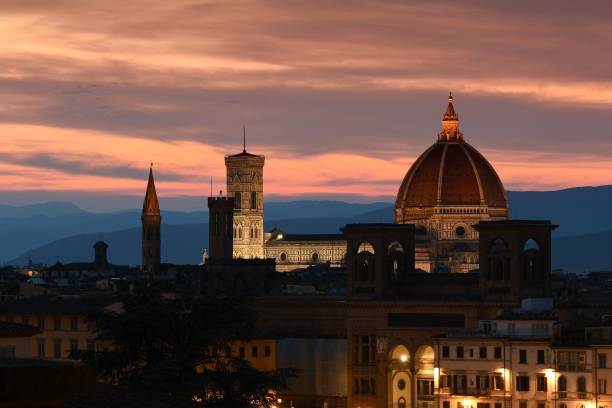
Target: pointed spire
{"x": 243, "y": 139}
{"x": 150, "y": 206}
{"x": 450, "y": 123}
{"x": 450, "y": 113}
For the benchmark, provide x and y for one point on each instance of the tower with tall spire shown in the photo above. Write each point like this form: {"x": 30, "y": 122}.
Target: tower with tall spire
{"x": 151, "y": 225}
{"x": 245, "y": 186}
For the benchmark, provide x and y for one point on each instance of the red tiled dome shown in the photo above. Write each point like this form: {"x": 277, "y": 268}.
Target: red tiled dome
{"x": 451, "y": 172}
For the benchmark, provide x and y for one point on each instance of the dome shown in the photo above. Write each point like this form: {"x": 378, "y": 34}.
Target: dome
{"x": 450, "y": 173}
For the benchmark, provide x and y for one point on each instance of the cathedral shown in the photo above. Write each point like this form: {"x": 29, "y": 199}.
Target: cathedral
{"x": 414, "y": 328}
{"x": 450, "y": 187}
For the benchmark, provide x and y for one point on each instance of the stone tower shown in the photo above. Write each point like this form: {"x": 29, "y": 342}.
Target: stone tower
{"x": 220, "y": 227}
{"x": 245, "y": 186}
{"x": 100, "y": 248}
{"x": 151, "y": 223}
{"x": 515, "y": 259}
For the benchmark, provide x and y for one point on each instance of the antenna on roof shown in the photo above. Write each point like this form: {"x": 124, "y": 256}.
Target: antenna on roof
{"x": 243, "y": 139}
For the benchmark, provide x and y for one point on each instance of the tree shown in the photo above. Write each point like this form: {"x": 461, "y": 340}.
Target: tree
{"x": 180, "y": 348}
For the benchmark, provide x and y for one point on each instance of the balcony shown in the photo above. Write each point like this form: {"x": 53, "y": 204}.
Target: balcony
{"x": 573, "y": 367}
{"x": 572, "y": 395}
{"x": 419, "y": 404}
{"x": 467, "y": 391}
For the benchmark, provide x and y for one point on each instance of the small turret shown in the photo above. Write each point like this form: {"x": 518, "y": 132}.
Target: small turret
{"x": 100, "y": 258}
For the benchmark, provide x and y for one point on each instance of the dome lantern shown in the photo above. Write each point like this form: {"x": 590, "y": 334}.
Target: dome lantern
{"x": 450, "y": 124}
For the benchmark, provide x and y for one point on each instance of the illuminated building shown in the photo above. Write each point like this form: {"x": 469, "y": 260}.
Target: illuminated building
{"x": 447, "y": 190}
{"x": 62, "y": 326}
{"x": 450, "y": 187}
{"x": 245, "y": 186}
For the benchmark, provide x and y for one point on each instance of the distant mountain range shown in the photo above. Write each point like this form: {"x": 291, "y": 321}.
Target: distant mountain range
{"x": 54, "y": 231}
{"x": 185, "y": 244}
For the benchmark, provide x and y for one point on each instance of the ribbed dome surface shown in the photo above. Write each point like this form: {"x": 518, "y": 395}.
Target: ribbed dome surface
{"x": 451, "y": 173}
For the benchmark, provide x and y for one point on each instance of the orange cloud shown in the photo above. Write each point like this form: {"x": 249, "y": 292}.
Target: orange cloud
{"x": 92, "y": 92}
{"x": 106, "y": 162}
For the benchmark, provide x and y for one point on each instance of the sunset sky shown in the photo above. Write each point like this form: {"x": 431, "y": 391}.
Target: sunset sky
{"x": 340, "y": 96}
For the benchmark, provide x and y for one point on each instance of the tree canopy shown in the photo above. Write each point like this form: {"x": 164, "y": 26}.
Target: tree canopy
{"x": 181, "y": 349}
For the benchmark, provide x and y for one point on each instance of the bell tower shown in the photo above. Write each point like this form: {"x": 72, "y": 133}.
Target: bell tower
{"x": 151, "y": 223}
{"x": 245, "y": 186}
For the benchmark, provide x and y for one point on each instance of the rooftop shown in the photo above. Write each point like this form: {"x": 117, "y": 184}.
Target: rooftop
{"x": 308, "y": 237}
{"x": 12, "y": 329}
{"x": 45, "y": 305}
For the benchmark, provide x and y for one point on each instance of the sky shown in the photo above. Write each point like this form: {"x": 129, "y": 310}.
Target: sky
{"x": 340, "y": 96}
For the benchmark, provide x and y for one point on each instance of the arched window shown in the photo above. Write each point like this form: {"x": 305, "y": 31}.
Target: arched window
{"x": 531, "y": 268}
{"x": 237, "y": 200}
{"x": 283, "y": 257}
{"x": 395, "y": 254}
{"x": 562, "y": 387}
{"x": 364, "y": 263}
{"x": 253, "y": 200}
{"x": 365, "y": 270}
{"x": 499, "y": 262}
{"x": 365, "y": 247}
{"x": 581, "y": 387}
{"x": 315, "y": 257}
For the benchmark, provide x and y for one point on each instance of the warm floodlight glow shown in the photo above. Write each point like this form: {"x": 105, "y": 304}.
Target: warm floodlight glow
{"x": 466, "y": 403}
{"x": 550, "y": 374}
{"x": 403, "y": 358}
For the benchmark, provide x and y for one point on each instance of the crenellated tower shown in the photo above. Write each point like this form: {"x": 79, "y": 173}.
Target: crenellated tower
{"x": 151, "y": 225}
{"x": 220, "y": 226}
{"x": 245, "y": 186}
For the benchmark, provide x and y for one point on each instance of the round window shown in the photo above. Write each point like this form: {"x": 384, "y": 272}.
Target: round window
{"x": 460, "y": 231}
{"x": 401, "y": 384}
{"x": 283, "y": 257}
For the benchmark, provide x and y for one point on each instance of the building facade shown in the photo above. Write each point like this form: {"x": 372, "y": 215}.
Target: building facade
{"x": 295, "y": 251}
{"x": 61, "y": 326}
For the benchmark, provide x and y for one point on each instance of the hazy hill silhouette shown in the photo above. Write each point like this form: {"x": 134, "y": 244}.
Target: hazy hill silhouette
{"x": 580, "y": 242}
